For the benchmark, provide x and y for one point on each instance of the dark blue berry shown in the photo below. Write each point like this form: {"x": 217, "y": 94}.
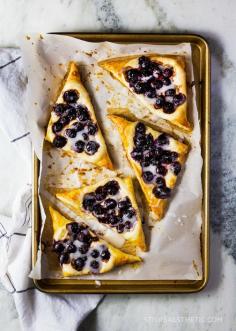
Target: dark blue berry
{"x": 57, "y": 127}
{"x": 71, "y": 133}
{"x": 59, "y": 141}
{"x": 71, "y": 96}
{"x": 105, "y": 255}
{"x": 91, "y": 147}
{"x": 148, "y": 176}
{"x": 176, "y": 167}
{"x": 79, "y": 146}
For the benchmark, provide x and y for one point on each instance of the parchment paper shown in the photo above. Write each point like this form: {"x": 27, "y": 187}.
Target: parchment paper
{"x": 174, "y": 242}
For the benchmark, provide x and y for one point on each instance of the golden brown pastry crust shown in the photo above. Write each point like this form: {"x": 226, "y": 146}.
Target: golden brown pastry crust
{"x": 72, "y": 80}
{"x": 117, "y": 257}
{"x": 133, "y": 239}
{"x": 117, "y": 67}
{"x": 126, "y": 129}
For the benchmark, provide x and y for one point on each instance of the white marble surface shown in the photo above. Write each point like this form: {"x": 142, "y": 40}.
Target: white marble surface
{"x": 213, "y": 308}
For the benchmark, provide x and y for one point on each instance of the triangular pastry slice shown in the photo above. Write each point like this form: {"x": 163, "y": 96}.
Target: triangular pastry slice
{"x": 73, "y": 126}
{"x": 158, "y": 81}
{"x": 156, "y": 158}
{"x": 81, "y": 252}
{"x": 112, "y": 202}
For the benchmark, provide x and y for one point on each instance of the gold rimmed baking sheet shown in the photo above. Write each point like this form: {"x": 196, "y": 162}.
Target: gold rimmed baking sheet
{"x": 201, "y": 66}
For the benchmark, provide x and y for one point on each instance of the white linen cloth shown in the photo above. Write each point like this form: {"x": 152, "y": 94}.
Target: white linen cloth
{"x": 36, "y": 310}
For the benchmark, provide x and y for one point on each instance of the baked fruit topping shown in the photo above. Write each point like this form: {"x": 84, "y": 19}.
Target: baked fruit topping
{"x": 154, "y": 80}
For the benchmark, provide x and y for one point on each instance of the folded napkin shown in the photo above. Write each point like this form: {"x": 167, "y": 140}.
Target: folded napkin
{"x": 36, "y": 310}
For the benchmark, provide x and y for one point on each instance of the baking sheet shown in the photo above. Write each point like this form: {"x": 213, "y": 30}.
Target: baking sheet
{"x": 174, "y": 251}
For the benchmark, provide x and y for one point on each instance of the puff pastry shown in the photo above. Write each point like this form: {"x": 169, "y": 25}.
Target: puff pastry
{"x": 73, "y": 126}
{"x": 156, "y": 159}
{"x": 112, "y": 202}
{"x": 159, "y": 82}
{"x": 81, "y": 252}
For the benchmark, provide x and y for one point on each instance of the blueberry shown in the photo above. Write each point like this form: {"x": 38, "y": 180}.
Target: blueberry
{"x": 158, "y": 150}
{"x": 120, "y": 228}
{"x": 161, "y": 192}
{"x": 161, "y": 170}
{"x": 91, "y": 147}
{"x": 100, "y": 193}
{"x": 64, "y": 258}
{"x": 64, "y": 120}
{"x": 176, "y": 167}
{"x": 170, "y": 92}
{"x": 84, "y": 237}
{"x": 151, "y": 93}
{"x": 162, "y": 139}
{"x": 79, "y": 146}
{"x": 78, "y": 126}
{"x": 136, "y": 154}
{"x": 157, "y": 84}
{"x": 156, "y": 70}
{"x": 110, "y": 204}
{"x": 166, "y": 81}
{"x": 78, "y": 264}
{"x": 147, "y": 176}
{"x": 166, "y": 157}
{"x": 139, "y": 140}
{"x": 73, "y": 227}
{"x": 89, "y": 201}
{"x": 85, "y": 136}
{"x": 148, "y": 155}
{"x": 140, "y": 128}
{"x": 71, "y": 96}
{"x": 129, "y": 212}
{"x": 132, "y": 75}
{"x": 140, "y": 88}
{"x": 60, "y": 109}
{"x": 144, "y": 62}
{"x": 71, "y": 114}
{"x": 179, "y": 99}
{"x": 105, "y": 255}
{"x": 95, "y": 253}
{"x": 58, "y": 247}
{"x": 159, "y": 102}
{"x": 124, "y": 204}
{"x": 112, "y": 187}
{"x": 84, "y": 248}
{"x": 59, "y": 141}
{"x": 128, "y": 225}
{"x": 146, "y": 163}
{"x": 168, "y": 108}
{"x": 94, "y": 264}
{"x": 160, "y": 181}
{"x": 149, "y": 139}
{"x": 71, "y": 133}
{"x": 70, "y": 247}
{"x": 103, "y": 219}
{"x": 114, "y": 220}
{"x": 98, "y": 209}
{"x": 167, "y": 72}
{"x": 57, "y": 127}
{"x": 83, "y": 113}
{"x": 92, "y": 128}
{"x": 174, "y": 156}
{"x": 146, "y": 72}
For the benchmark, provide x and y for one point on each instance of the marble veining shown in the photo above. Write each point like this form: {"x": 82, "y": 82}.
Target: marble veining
{"x": 107, "y": 16}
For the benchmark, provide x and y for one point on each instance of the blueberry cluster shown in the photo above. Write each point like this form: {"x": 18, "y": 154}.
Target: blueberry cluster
{"x": 152, "y": 79}
{"x": 77, "y": 250}
{"x": 110, "y": 210}
{"x": 155, "y": 159}
{"x": 82, "y": 126}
